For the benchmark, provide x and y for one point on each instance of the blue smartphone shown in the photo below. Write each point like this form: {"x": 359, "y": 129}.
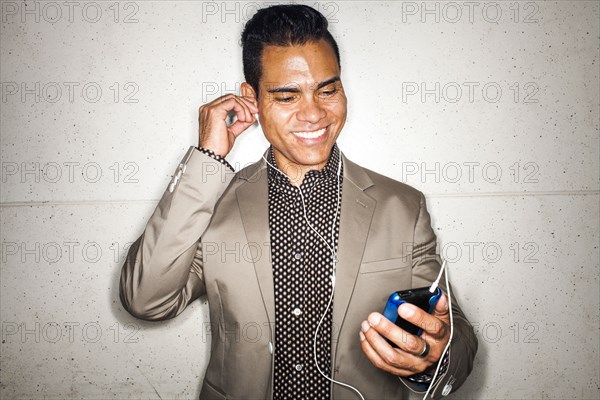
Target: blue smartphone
{"x": 420, "y": 297}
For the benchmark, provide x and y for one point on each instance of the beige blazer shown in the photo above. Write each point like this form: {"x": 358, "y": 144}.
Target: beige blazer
{"x": 209, "y": 235}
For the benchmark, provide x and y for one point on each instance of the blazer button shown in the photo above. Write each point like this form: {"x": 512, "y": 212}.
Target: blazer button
{"x": 447, "y": 390}
{"x": 271, "y": 347}
{"x": 174, "y": 182}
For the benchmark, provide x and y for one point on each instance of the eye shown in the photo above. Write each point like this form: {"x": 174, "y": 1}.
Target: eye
{"x": 328, "y": 92}
{"x": 284, "y": 99}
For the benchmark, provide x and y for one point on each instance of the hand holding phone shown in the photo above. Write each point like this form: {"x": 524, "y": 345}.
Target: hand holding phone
{"x": 417, "y": 345}
{"x": 420, "y": 297}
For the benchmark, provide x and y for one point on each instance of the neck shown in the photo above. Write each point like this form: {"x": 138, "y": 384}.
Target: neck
{"x": 295, "y": 172}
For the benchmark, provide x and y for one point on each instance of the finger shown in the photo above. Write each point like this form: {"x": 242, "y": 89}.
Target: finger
{"x": 377, "y": 361}
{"x": 218, "y": 109}
{"x": 407, "y": 355}
{"x": 242, "y": 112}
{"x": 404, "y": 340}
{"x": 394, "y": 357}
{"x": 250, "y": 99}
{"x": 238, "y": 127}
{"x": 433, "y": 325}
{"x": 249, "y": 103}
{"x": 228, "y": 97}
{"x": 441, "y": 308}
{"x": 252, "y": 106}
{"x": 223, "y": 105}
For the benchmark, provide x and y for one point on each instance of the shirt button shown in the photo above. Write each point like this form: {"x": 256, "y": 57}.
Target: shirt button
{"x": 298, "y": 256}
{"x": 298, "y": 367}
{"x": 297, "y": 311}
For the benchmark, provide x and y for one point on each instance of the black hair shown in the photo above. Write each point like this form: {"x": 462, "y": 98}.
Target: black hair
{"x": 281, "y": 25}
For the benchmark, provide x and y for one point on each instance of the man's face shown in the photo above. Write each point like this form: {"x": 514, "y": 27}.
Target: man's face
{"x": 302, "y": 105}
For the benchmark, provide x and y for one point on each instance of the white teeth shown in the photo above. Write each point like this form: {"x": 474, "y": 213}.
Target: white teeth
{"x": 310, "y": 135}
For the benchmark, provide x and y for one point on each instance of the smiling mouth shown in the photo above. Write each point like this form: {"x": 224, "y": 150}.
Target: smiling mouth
{"x": 310, "y": 134}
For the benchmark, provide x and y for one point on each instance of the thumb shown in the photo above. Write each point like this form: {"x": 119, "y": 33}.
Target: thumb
{"x": 238, "y": 127}
{"x": 441, "y": 308}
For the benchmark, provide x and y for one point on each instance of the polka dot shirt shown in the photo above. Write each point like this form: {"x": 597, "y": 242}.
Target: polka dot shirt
{"x": 302, "y": 269}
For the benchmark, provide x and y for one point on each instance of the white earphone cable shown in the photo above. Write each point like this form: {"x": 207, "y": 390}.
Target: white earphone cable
{"x": 334, "y": 261}
{"x": 449, "y": 297}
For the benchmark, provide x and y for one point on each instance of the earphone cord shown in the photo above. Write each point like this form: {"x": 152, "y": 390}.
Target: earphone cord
{"x": 449, "y": 297}
{"x": 334, "y": 261}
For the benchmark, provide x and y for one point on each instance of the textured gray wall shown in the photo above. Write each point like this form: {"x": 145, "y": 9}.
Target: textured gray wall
{"x": 490, "y": 108}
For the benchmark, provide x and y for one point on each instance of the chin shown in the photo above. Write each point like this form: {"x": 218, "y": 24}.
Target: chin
{"x": 315, "y": 159}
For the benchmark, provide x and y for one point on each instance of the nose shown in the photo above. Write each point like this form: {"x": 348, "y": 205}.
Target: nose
{"x": 311, "y": 110}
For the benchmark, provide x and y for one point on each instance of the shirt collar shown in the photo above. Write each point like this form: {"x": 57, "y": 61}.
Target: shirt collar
{"x": 329, "y": 171}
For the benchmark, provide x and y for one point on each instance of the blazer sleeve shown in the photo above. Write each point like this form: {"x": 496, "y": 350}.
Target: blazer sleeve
{"x": 462, "y": 349}
{"x": 163, "y": 270}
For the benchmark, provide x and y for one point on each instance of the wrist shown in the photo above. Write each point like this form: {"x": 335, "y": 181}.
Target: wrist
{"x": 215, "y": 156}
{"x": 216, "y": 148}
{"x": 427, "y": 375}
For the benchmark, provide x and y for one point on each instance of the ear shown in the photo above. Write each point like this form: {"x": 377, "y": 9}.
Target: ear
{"x": 246, "y": 90}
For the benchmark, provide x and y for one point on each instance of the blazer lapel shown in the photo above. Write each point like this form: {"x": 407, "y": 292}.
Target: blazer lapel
{"x": 253, "y": 203}
{"x": 355, "y": 221}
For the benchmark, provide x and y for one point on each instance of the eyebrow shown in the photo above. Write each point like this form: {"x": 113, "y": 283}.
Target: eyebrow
{"x": 296, "y": 90}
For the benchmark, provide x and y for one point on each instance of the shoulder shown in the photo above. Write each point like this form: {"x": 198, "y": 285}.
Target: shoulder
{"x": 383, "y": 188}
{"x": 252, "y": 174}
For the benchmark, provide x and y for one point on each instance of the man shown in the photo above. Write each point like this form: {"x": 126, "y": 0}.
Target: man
{"x": 321, "y": 242}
